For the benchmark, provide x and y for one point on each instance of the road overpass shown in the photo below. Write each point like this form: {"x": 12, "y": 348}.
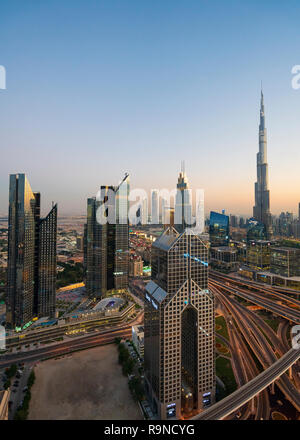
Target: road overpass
{"x": 238, "y": 398}
{"x": 271, "y": 305}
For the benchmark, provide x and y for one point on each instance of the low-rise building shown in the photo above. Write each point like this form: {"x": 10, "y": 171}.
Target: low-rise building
{"x": 259, "y": 254}
{"x": 136, "y": 266}
{"x": 285, "y": 261}
{"x": 224, "y": 257}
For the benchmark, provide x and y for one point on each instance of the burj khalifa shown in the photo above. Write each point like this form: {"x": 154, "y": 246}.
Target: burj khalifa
{"x": 261, "y": 210}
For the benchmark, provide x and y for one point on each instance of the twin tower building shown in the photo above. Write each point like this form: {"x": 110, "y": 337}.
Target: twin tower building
{"x": 31, "y": 271}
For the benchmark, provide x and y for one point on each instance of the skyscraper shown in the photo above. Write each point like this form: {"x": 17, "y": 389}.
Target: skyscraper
{"x": 107, "y": 248}
{"x": 183, "y": 207}
{"x": 163, "y": 210}
{"x": 261, "y": 210}
{"x": 179, "y": 327}
{"x": 154, "y": 207}
{"x": 200, "y": 220}
{"x": 144, "y": 213}
{"x": 31, "y": 271}
{"x": 46, "y": 297}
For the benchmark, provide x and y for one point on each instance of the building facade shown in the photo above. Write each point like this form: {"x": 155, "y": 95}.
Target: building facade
{"x": 183, "y": 207}
{"x": 31, "y": 271}
{"x": 107, "y": 240}
{"x": 136, "y": 266}
{"x": 138, "y": 339}
{"x": 179, "y": 327}
{"x": 218, "y": 229}
{"x": 224, "y": 257}
{"x": 285, "y": 261}
{"x": 259, "y": 255}
{"x": 154, "y": 207}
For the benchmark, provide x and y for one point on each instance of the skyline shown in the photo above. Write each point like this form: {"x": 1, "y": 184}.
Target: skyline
{"x": 154, "y": 93}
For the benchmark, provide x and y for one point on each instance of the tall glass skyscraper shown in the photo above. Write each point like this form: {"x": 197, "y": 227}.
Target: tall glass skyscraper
{"x": 261, "y": 210}
{"x": 179, "y": 339}
{"x": 154, "y": 207}
{"x": 31, "y": 271}
{"x": 218, "y": 229}
{"x": 46, "y": 297}
{"x": 107, "y": 240}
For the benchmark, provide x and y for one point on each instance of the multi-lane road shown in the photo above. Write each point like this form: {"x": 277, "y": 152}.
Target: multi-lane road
{"x": 73, "y": 344}
{"x": 235, "y": 400}
{"x": 263, "y": 341}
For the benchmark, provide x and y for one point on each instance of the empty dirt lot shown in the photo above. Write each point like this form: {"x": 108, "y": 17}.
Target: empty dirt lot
{"x": 88, "y": 385}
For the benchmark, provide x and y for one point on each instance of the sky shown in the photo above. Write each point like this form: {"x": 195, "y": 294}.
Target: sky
{"x": 95, "y": 89}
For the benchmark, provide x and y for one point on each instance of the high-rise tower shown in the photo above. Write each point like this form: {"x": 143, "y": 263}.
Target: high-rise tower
{"x": 183, "y": 207}
{"x": 31, "y": 271}
{"x": 154, "y": 207}
{"x": 179, "y": 327}
{"x": 107, "y": 242}
{"x": 261, "y": 210}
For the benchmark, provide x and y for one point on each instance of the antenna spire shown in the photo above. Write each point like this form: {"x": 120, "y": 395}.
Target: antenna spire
{"x": 183, "y": 167}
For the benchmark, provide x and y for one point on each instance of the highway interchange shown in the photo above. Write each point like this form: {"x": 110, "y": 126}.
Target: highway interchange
{"x": 249, "y": 337}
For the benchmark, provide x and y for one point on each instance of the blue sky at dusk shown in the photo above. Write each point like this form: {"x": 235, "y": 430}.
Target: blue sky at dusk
{"x": 99, "y": 88}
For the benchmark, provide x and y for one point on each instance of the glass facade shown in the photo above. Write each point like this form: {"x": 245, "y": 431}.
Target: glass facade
{"x": 107, "y": 243}
{"x": 46, "y": 297}
{"x": 218, "y": 229}
{"x": 256, "y": 231}
{"x": 259, "y": 255}
{"x": 285, "y": 261}
{"x": 28, "y": 250}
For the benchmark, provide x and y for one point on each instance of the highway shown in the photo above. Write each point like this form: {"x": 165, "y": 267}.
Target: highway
{"x": 259, "y": 299}
{"x": 256, "y": 288}
{"x": 241, "y": 396}
{"x": 245, "y": 369}
{"x": 67, "y": 347}
{"x": 247, "y": 321}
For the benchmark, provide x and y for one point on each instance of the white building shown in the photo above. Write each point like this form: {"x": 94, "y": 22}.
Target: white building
{"x": 138, "y": 339}
{"x": 154, "y": 207}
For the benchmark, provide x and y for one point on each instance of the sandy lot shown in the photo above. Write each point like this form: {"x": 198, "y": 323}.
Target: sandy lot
{"x": 88, "y": 385}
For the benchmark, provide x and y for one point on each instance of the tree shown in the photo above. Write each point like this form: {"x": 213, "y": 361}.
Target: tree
{"x": 128, "y": 366}
{"x": 31, "y": 379}
{"x": 11, "y": 371}
{"x": 136, "y": 388}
